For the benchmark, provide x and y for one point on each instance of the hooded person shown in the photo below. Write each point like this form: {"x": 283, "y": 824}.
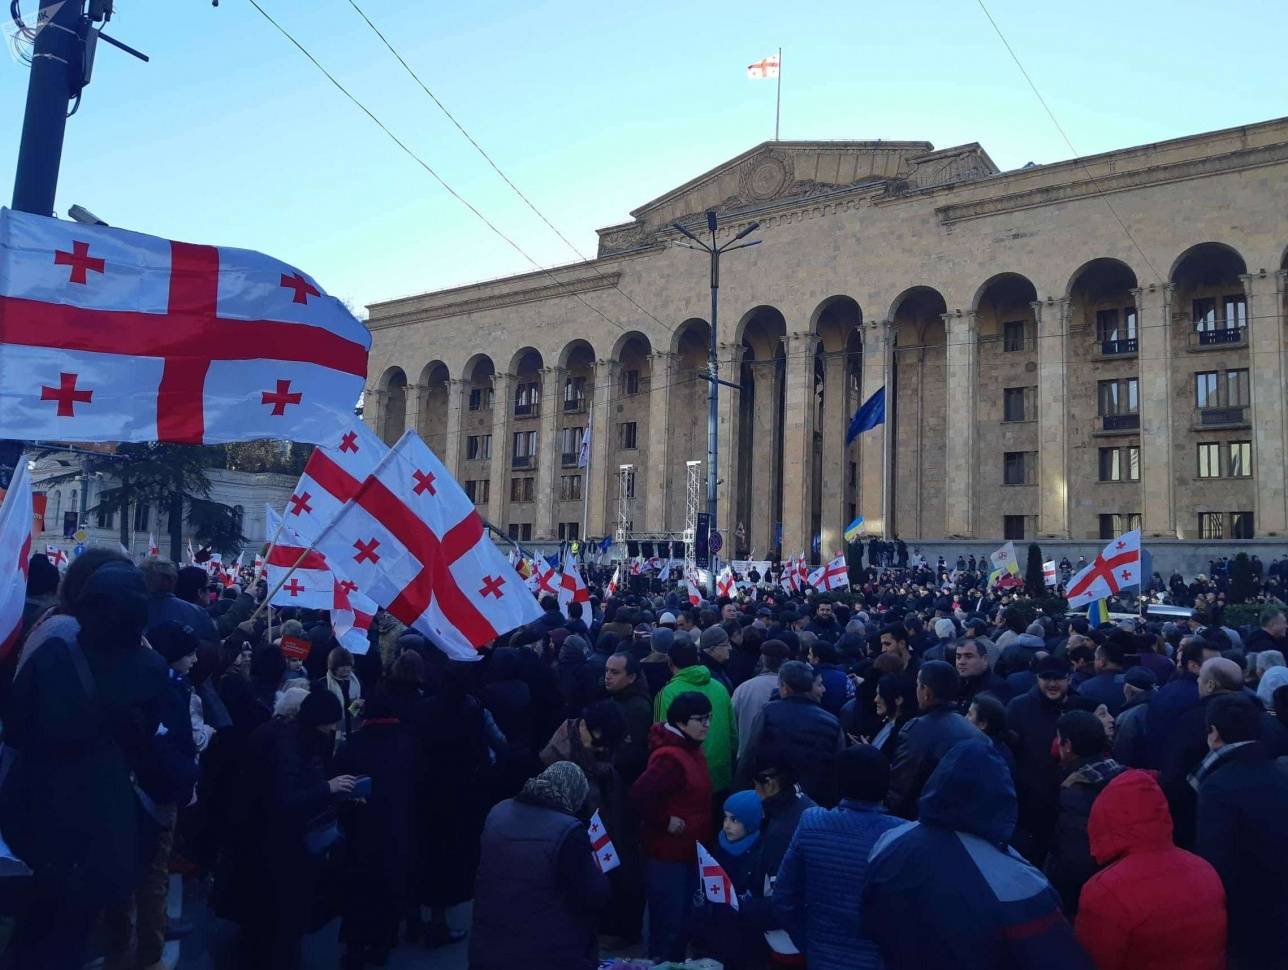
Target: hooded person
{"x": 539, "y": 891}
{"x": 1005, "y": 914}
{"x": 1127, "y": 911}
{"x": 82, "y": 712}
{"x": 687, "y": 674}
{"x": 720, "y": 931}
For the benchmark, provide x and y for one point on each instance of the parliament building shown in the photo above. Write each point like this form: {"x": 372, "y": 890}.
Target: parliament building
{"x": 1068, "y": 351}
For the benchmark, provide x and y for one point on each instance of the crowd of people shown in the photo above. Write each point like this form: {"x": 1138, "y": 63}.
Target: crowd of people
{"x": 911, "y": 773}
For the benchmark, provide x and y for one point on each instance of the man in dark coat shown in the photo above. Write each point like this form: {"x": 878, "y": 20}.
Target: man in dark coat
{"x": 783, "y": 802}
{"x": 837, "y": 686}
{"x": 925, "y": 739}
{"x": 1242, "y": 804}
{"x": 1172, "y": 700}
{"x": 1088, "y": 769}
{"x": 1032, "y": 717}
{"x": 976, "y": 677}
{"x": 804, "y": 734}
{"x": 84, "y": 708}
{"x": 625, "y": 685}
{"x": 1106, "y": 687}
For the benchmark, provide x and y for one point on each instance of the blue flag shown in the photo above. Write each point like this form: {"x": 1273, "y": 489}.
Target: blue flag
{"x": 868, "y": 416}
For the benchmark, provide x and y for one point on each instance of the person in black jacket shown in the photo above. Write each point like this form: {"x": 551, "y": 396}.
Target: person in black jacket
{"x": 1033, "y": 717}
{"x": 806, "y": 736}
{"x": 1088, "y": 769}
{"x": 926, "y": 738}
{"x": 976, "y": 677}
{"x": 1242, "y": 804}
{"x": 625, "y": 685}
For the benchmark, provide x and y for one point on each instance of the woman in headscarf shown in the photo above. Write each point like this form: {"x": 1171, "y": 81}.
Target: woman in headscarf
{"x": 82, "y": 716}
{"x": 539, "y": 890}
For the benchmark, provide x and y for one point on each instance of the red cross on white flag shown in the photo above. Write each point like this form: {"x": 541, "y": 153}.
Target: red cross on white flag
{"x": 351, "y": 617}
{"x": 725, "y": 583}
{"x": 766, "y": 67}
{"x": 572, "y": 588}
{"x": 1116, "y": 568}
{"x": 834, "y": 574}
{"x": 716, "y": 884}
{"x": 424, "y": 556}
{"x": 15, "y": 553}
{"x": 311, "y": 585}
{"x": 110, "y": 335}
{"x": 602, "y": 845}
{"x": 338, "y": 466}
{"x": 614, "y": 583}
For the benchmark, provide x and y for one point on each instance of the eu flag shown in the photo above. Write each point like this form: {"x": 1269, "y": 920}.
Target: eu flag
{"x": 868, "y": 416}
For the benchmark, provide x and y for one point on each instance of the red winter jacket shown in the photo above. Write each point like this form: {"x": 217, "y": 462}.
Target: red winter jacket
{"x": 1154, "y": 906}
{"x": 675, "y": 783}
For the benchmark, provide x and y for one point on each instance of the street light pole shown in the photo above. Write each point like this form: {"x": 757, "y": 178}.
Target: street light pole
{"x": 714, "y": 251}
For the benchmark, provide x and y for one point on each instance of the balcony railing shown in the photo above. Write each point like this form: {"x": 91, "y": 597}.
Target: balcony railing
{"x": 1120, "y": 422}
{"x": 1218, "y": 337}
{"x": 574, "y": 405}
{"x": 1118, "y": 348}
{"x": 527, "y": 410}
{"x": 1222, "y": 417}
{"x": 569, "y": 458}
{"x": 521, "y": 461}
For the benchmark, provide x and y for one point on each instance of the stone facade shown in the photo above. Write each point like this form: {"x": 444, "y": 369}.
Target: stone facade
{"x": 1068, "y": 349}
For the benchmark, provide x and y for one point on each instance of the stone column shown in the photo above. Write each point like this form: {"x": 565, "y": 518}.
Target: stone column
{"x": 373, "y": 410}
{"x": 878, "y": 344}
{"x": 798, "y": 443}
{"x": 962, "y": 333}
{"x": 1154, "y": 325}
{"x": 730, "y": 368}
{"x": 502, "y": 422}
{"x": 414, "y": 404}
{"x": 549, "y": 456}
{"x": 656, "y": 479}
{"x": 1053, "y": 418}
{"x": 1265, "y": 293}
{"x": 764, "y": 466}
{"x": 599, "y": 475}
{"x": 835, "y": 454}
{"x": 456, "y": 391}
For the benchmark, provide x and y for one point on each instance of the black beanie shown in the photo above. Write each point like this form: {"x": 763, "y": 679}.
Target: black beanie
{"x": 320, "y": 707}
{"x": 42, "y": 576}
{"x": 172, "y": 640}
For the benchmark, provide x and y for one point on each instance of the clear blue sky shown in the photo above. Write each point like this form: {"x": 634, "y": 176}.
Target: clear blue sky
{"x": 229, "y": 136}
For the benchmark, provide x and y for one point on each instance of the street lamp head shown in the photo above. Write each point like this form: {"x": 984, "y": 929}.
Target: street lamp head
{"x": 680, "y": 229}
{"x": 711, "y": 219}
{"x": 750, "y": 229}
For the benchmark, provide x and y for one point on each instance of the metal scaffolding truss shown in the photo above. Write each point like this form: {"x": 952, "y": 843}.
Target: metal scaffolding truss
{"x": 625, "y": 500}
{"x": 692, "y": 498}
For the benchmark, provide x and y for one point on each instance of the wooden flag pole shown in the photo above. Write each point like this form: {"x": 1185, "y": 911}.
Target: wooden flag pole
{"x": 289, "y": 573}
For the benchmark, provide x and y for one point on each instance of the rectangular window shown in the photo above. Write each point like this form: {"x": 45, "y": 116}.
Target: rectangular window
{"x": 471, "y": 491}
{"x": 1133, "y": 462}
{"x": 480, "y": 398}
{"x": 478, "y": 447}
{"x": 141, "y": 516}
{"x": 569, "y": 530}
{"x": 575, "y": 394}
{"x": 1205, "y": 314}
{"x": 630, "y": 381}
{"x": 525, "y": 531}
{"x": 1107, "y": 526}
{"x": 1111, "y": 468}
{"x": 521, "y": 489}
{"x": 1236, "y": 312}
{"x": 472, "y": 447}
{"x": 526, "y": 398}
{"x": 1205, "y": 384}
{"x": 1236, "y": 388}
{"x": 626, "y": 435}
{"x": 1019, "y": 467}
{"x": 1017, "y": 403}
{"x": 1129, "y": 323}
{"x": 478, "y": 490}
{"x": 1012, "y": 527}
{"x": 485, "y": 492}
{"x": 1118, "y": 397}
{"x": 512, "y": 530}
{"x": 1116, "y": 523}
{"x": 570, "y": 488}
{"x": 105, "y": 519}
{"x": 570, "y": 444}
{"x": 1241, "y": 525}
{"x": 1106, "y": 325}
{"x": 1240, "y": 459}
{"x": 525, "y": 444}
{"x": 1209, "y": 460}
{"x": 630, "y": 483}
{"x": 1013, "y": 335}
{"x": 1211, "y": 525}
{"x": 852, "y": 476}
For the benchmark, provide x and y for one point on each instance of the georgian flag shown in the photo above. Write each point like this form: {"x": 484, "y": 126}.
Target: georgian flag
{"x": 311, "y": 585}
{"x": 716, "y": 884}
{"x": 725, "y": 585}
{"x": 1116, "y": 568}
{"x": 615, "y": 582}
{"x": 766, "y": 67}
{"x": 1048, "y": 573}
{"x": 411, "y": 540}
{"x": 833, "y": 574}
{"x": 351, "y": 617}
{"x": 338, "y": 466}
{"x": 56, "y": 556}
{"x": 572, "y": 588}
{"x": 110, "y": 335}
{"x": 544, "y": 580}
{"x": 602, "y": 845}
{"x": 695, "y": 594}
{"x": 154, "y": 550}
{"x": 15, "y": 555}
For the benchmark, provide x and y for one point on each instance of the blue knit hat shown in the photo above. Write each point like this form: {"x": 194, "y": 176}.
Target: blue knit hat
{"x": 745, "y": 807}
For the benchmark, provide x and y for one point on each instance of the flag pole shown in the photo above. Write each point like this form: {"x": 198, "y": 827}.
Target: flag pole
{"x": 282, "y": 582}
{"x": 887, "y": 505}
{"x": 778, "y": 100}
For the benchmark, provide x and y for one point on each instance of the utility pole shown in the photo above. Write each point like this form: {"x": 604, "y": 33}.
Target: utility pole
{"x": 713, "y": 414}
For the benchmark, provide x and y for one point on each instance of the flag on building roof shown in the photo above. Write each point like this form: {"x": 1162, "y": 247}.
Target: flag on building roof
{"x": 1115, "y": 568}
{"x": 411, "y": 540}
{"x": 15, "y": 556}
{"x": 111, "y": 335}
{"x": 870, "y": 414}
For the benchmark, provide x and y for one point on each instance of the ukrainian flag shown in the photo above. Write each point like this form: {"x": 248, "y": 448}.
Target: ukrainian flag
{"x": 1098, "y": 612}
{"x": 852, "y": 530}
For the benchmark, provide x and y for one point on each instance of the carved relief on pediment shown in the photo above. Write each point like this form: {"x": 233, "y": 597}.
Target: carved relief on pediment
{"x": 766, "y": 177}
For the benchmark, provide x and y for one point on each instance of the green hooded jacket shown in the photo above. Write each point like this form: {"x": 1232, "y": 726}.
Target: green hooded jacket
{"x": 722, "y": 740}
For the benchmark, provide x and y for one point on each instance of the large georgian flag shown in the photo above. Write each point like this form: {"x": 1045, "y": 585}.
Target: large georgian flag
{"x": 338, "y": 466}
{"x": 110, "y": 335}
{"x": 1116, "y": 568}
{"x": 15, "y": 554}
{"x": 411, "y": 540}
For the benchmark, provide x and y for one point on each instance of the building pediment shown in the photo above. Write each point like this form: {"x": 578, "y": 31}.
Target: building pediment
{"x": 776, "y": 174}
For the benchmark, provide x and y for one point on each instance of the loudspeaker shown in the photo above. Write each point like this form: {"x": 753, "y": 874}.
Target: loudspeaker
{"x": 638, "y": 584}
{"x": 632, "y": 548}
{"x": 646, "y": 550}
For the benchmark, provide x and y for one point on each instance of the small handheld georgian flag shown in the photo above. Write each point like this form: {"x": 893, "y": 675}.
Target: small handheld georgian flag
{"x": 15, "y": 554}
{"x": 153, "y": 549}
{"x": 716, "y": 884}
{"x": 605, "y": 854}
